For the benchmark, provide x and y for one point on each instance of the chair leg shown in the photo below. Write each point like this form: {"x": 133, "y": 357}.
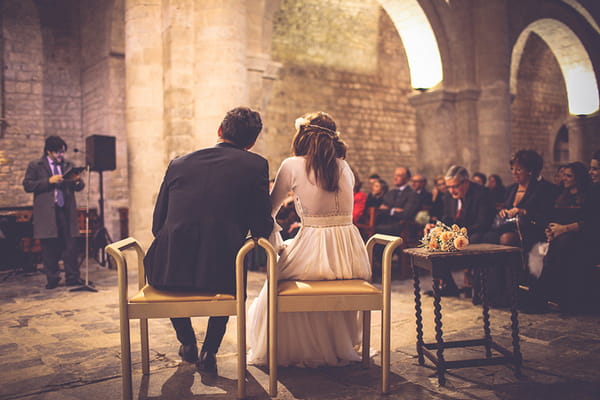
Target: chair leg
{"x": 127, "y": 388}
{"x": 145, "y": 346}
{"x": 366, "y": 339}
{"x": 241, "y": 336}
{"x": 272, "y": 348}
{"x": 385, "y": 350}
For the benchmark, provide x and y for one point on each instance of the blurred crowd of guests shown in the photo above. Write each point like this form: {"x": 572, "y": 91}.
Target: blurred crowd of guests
{"x": 554, "y": 222}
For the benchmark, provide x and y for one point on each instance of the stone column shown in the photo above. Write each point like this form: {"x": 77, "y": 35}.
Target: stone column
{"x": 493, "y": 71}
{"x": 437, "y": 146}
{"x": 178, "y": 50}
{"x": 577, "y": 139}
{"x": 144, "y": 111}
{"x": 221, "y": 77}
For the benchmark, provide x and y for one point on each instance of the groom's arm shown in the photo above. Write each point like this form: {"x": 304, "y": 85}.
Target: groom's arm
{"x": 261, "y": 222}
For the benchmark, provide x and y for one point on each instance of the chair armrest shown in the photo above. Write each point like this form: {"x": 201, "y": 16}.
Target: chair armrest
{"x": 115, "y": 250}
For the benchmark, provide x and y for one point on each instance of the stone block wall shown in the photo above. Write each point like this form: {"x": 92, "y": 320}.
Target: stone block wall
{"x": 42, "y": 92}
{"x": 540, "y": 107}
{"x": 364, "y": 86}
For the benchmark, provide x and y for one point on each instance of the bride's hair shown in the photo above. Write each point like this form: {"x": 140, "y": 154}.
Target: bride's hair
{"x": 319, "y": 142}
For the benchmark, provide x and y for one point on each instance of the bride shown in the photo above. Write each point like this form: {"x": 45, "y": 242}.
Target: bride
{"x": 327, "y": 247}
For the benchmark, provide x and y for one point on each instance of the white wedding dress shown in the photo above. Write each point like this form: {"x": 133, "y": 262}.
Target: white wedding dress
{"x": 327, "y": 247}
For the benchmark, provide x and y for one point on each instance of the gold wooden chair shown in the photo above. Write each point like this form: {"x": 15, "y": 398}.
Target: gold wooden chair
{"x": 149, "y": 302}
{"x": 336, "y": 295}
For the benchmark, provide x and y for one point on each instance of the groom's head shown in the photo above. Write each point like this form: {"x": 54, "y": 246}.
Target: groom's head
{"x": 241, "y": 127}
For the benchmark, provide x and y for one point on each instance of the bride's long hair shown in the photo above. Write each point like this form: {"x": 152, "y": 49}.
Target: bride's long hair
{"x": 319, "y": 142}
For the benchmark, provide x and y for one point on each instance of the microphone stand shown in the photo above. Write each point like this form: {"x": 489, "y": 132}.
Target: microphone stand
{"x": 86, "y": 286}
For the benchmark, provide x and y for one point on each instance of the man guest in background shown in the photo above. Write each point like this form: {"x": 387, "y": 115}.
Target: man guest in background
{"x": 399, "y": 204}
{"x": 55, "y": 211}
{"x": 208, "y": 201}
{"x": 468, "y": 205}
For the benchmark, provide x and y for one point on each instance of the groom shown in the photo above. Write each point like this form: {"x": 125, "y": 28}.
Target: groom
{"x": 208, "y": 201}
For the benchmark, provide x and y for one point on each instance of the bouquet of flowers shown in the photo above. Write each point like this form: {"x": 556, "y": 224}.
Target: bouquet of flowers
{"x": 445, "y": 238}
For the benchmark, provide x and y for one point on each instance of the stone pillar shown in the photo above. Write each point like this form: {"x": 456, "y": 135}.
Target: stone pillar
{"x": 144, "y": 111}
{"x": 178, "y": 50}
{"x": 437, "y": 146}
{"x": 577, "y": 138}
{"x": 468, "y": 129}
{"x": 493, "y": 72}
{"x": 221, "y": 77}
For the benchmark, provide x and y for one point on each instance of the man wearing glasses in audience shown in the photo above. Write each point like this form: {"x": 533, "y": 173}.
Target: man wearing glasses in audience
{"x": 55, "y": 211}
{"x": 466, "y": 205}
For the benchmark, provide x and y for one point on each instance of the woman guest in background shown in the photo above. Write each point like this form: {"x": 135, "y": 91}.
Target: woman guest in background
{"x": 327, "y": 247}
{"x": 378, "y": 189}
{"x": 567, "y": 265}
{"x": 530, "y": 197}
{"x": 479, "y": 178}
{"x": 496, "y": 188}
{"x": 438, "y": 192}
{"x": 360, "y": 198}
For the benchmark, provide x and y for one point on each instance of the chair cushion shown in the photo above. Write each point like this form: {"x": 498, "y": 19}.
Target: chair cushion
{"x": 315, "y": 288}
{"x": 148, "y": 294}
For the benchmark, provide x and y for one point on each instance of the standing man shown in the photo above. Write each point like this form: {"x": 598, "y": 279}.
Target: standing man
{"x": 55, "y": 211}
{"x": 399, "y": 204}
{"x": 208, "y": 201}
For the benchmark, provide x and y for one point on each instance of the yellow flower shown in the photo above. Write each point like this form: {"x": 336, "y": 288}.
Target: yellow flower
{"x": 433, "y": 245}
{"x": 455, "y": 228}
{"x": 447, "y": 236}
{"x": 463, "y": 231}
{"x": 461, "y": 242}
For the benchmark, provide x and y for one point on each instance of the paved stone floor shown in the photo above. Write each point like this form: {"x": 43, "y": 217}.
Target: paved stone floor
{"x": 57, "y": 344}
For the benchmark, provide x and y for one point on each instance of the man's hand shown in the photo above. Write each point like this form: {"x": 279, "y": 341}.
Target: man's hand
{"x": 398, "y": 210}
{"x": 383, "y": 207}
{"x": 55, "y": 179}
{"x": 428, "y": 228}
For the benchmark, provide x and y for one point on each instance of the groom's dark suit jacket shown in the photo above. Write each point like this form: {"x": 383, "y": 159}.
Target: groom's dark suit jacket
{"x": 207, "y": 202}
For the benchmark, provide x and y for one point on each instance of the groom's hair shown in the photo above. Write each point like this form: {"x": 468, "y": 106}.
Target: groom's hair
{"x": 241, "y": 126}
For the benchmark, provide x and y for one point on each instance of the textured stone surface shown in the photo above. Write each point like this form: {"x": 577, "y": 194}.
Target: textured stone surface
{"x": 56, "y": 344}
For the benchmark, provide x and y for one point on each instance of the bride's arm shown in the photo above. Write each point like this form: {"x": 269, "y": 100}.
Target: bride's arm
{"x": 281, "y": 187}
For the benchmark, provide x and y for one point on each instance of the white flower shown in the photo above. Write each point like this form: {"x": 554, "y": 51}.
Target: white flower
{"x": 301, "y": 122}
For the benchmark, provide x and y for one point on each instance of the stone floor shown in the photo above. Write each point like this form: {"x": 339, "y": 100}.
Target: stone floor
{"x": 58, "y": 344}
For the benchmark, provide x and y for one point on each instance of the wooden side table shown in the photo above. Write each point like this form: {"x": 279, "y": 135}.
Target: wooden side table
{"x": 479, "y": 257}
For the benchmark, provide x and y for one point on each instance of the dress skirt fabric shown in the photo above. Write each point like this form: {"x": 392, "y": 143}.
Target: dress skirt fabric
{"x": 325, "y": 248}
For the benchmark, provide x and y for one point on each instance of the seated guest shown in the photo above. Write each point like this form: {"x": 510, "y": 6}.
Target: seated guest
{"x": 419, "y": 184}
{"x": 360, "y": 198}
{"x": 558, "y": 175}
{"x": 372, "y": 179}
{"x": 496, "y": 188}
{"x": 479, "y": 178}
{"x": 468, "y": 205}
{"x": 399, "y": 204}
{"x": 437, "y": 195}
{"x": 567, "y": 265}
{"x": 591, "y": 215}
{"x": 530, "y": 197}
{"x": 379, "y": 188}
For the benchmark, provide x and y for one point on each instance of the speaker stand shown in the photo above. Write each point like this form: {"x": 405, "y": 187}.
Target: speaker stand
{"x": 101, "y": 238}
{"x": 86, "y": 286}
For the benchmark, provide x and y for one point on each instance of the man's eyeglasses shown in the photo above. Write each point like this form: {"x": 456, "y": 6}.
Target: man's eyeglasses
{"x": 455, "y": 186}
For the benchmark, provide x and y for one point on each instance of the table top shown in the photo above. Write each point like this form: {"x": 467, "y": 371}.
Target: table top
{"x": 470, "y": 250}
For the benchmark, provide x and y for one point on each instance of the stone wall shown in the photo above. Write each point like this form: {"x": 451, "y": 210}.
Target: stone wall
{"x": 362, "y": 81}
{"x": 42, "y": 88}
{"x": 540, "y": 107}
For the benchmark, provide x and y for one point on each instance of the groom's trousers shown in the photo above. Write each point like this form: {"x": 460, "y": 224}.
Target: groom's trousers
{"x": 214, "y": 332}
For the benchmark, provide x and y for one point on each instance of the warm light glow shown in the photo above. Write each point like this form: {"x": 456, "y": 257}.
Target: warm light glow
{"x": 574, "y": 61}
{"x": 419, "y": 42}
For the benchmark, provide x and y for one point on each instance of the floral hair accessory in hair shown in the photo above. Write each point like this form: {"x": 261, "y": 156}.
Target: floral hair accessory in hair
{"x": 301, "y": 122}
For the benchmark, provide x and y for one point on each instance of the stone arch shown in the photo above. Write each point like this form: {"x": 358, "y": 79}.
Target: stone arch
{"x": 574, "y": 61}
{"x": 419, "y": 39}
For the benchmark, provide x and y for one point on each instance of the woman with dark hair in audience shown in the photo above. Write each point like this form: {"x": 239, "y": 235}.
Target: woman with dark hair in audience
{"x": 567, "y": 265}
{"x": 531, "y": 198}
{"x": 437, "y": 196}
{"x": 496, "y": 188}
{"x": 479, "y": 178}
{"x": 379, "y": 188}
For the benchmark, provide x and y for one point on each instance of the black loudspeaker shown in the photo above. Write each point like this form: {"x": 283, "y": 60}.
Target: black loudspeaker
{"x": 100, "y": 152}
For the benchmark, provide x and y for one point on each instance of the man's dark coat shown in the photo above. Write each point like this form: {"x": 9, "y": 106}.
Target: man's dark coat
{"x": 208, "y": 201}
